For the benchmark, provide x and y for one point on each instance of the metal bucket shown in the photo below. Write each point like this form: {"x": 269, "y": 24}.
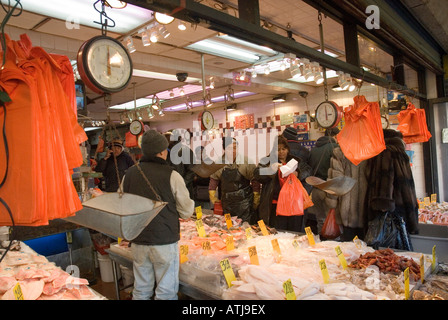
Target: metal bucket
{"x": 122, "y": 216}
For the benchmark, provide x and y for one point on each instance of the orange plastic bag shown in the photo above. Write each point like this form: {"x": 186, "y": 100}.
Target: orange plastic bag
{"x": 290, "y": 198}
{"x": 413, "y": 125}
{"x": 362, "y": 137}
{"x": 330, "y": 229}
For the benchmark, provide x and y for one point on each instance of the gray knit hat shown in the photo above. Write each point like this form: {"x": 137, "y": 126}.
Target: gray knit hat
{"x": 153, "y": 142}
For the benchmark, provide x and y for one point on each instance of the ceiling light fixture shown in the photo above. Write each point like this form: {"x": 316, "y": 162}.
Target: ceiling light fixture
{"x": 129, "y": 44}
{"x": 295, "y": 68}
{"x": 163, "y": 18}
{"x": 145, "y": 38}
{"x": 182, "y": 26}
{"x": 154, "y": 36}
{"x": 115, "y": 4}
{"x": 279, "y": 98}
{"x": 212, "y": 83}
{"x": 182, "y": 92}
{"x": 164, "y": 32}
{"x": 155, "y": 102}
{"x": 150, "y": 114}
{"x": 161, "y": 113}
{"x": 343, "y": 83}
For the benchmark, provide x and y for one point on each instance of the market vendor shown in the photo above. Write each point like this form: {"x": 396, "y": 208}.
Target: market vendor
{"x": 108, "y": 168}
{"x": 240, "y": 195}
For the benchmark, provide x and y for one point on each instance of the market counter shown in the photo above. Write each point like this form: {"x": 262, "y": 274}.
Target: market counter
{"x": 122, "y": 256}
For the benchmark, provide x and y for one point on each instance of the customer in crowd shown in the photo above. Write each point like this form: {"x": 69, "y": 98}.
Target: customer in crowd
{"x": 350, "y": 208}
{"x": 155, "y": 251}
{"x": 320, "y": 163}
{"x": 391, "y": 183}
{"x": 114, "y": 154}
{"x": 200, "y": 184}
{"x": 297, "y": 150}
{"x": 240, "y": 195}
{"x": 272, "y": 184}
{"x": 180, "y": 157}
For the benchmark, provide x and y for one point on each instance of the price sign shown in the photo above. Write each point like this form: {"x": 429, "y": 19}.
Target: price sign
{"x": 262, "y": 226}
{"x": 253, "y": 255}
{"x": 277, "y": 251}
{"x": 295, "y": 244}
{"x": 310, "y": 236}
{"x": 433, "y": 265}
{"x": 198, "y": 212}
{"x": 183, "y": 253}
{"x": 434, "y": 198}
{"x": 341, "y": 257}
{"x": 18, "y": 295}
{"x": 227, "y": 271}
{"x": 357, "y": 242}
{"x": 324, "y": 270}
{"x": 289, "y": 290}
{"x": 230, "y": 244}
{"x": 406, "y": 283}
{"x": 427, "y": 201}
{"x": 228, "y": 220}
{"x": 206, "y": 246}
{"x": 248, "y": 233}
{"x": 200, "y": 228}
{"x": 422, "y": 268}
{"x": 119, "y": 240}
{"x": 421, "y": 205}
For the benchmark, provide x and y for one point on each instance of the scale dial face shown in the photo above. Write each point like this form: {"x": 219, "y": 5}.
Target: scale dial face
{"x": 207, "y": 120}
{"x": 136, "y": 127}
{"x": 328, "y": 114}
{"x": 104, "y": 65}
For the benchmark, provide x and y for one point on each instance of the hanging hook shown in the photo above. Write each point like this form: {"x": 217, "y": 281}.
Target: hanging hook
{"x": 104, "y": 24}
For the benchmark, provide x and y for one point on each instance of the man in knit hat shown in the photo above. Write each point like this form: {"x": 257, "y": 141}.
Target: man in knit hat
{"x": 108, "y": 168}
{"x": 155, "y": 251}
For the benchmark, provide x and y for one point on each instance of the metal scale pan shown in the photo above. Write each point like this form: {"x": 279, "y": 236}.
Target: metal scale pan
{"x": 121, "y": 215}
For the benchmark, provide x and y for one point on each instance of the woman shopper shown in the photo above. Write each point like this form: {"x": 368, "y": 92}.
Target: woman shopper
{"x": 272, "y": 184}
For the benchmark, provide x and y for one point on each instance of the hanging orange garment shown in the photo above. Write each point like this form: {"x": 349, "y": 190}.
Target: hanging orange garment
{"x": 412, "y": 124}
{"x": 67, "y": 151}
{"x": 362, "y": 136}
{"x": 67, "y": 80}
{"x": 60, "y": 105}
{"x": 22, "y": 190}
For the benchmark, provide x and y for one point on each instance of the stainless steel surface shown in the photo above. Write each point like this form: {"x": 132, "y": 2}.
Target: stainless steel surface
{"x": 124, "y": 217}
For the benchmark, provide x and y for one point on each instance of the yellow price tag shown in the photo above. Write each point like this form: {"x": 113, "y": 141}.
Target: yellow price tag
{"x": 341, "y": 257}
{"x": 227, "y": 271}
{"x": 422, "y": 268}
{"x": 198, "y": 212}
{"x": 310, "y": 236}
{"x": 200, "y": 228}
{"x": 248, "y": 233}
{"x": 262, "y": 226}
{"x": 434, "y": 198}
{"x": 357, "y": 242}
{"x": 206, "y": 246}
{"x": 119, "y": 240}
{"x": 295, "y": 244}
{"x": 253, "y": 255}
{"x": 277, "y": 251}
{"x": 421, "y": 205}
{"x": 230, "y": 244}
{"x": 18, "y": 295}
{"x": 228, "y": 220}
{"x": 406, "y": 283}
{"x": 324, "y": 270}
{"x": 183, "y": 253}
{"x": 426, "y": 201}
{"x": 433, "y": 265}
{"x": 289, "y": 290}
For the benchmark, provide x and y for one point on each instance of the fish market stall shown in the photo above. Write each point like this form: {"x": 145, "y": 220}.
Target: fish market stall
{"x": 26, "y": 275}
{"x": 262, "y": 261}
